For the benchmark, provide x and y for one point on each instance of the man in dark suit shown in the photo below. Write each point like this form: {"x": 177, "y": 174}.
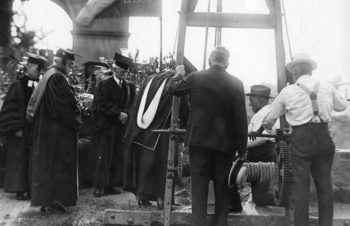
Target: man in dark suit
{"x": 216, "y": 130}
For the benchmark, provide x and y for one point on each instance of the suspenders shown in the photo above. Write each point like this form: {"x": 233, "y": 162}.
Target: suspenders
{"x": 313, "y": 96}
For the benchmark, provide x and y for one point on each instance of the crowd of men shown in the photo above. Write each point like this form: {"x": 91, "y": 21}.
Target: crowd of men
{"x": 41, "y": 119}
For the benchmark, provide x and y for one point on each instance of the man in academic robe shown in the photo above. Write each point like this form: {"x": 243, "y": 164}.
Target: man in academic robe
{"x": 56, "y": 120}
{"x": 146, "y": 153}
{"x": 18, "y": 132}
{"x": 113, "y": 98}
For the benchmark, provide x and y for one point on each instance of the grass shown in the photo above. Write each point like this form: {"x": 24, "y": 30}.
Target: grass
{"x": 88, "y": 212}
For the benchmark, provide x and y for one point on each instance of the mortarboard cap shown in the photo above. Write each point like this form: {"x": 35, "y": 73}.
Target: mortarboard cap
{"x": 36, "y": 59}
{"x": 122, "y": 61}
{"x": 65, "y": 54}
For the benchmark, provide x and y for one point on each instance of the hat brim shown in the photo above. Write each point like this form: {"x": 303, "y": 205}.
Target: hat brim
{"x": 237, "y": 175}
{"x": 291, "y": 64}
{"x": 252, "y": 95}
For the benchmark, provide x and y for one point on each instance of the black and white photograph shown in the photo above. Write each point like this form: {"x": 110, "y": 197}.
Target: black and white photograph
{"x": 175, "y": 112}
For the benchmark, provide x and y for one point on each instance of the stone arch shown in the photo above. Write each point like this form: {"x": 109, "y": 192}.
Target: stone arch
{"x": 103, "y": 37}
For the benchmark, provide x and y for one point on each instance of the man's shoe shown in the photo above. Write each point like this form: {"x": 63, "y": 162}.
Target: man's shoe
{"x": 98, "y": 192}
{"x": 160, "y": 206}
{"x": 43, "y": 209}
{"x": 235, "y": 209}
{"x": 58, "y": 206}
{"x": 20, "y": 196}
{"x": 144, "y": 203}
{"x": 112, "y": 191}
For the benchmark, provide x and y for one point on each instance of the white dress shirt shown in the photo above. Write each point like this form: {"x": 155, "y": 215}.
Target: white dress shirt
{"x": 296, "y": 104}
{"x": 117, "y": 80}
{"x": 255, "y": 124}
{"x": 32, "y": 83}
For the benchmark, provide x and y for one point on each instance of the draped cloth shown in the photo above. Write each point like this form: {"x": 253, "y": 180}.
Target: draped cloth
{"x": 145, "y": 117}
{"x": 55, "y": 144}
{"x": 145, "y": 152}
{"x": 12, "y": 119}
{"x": 12, "y": 113}
{"x": 39, "y": 91}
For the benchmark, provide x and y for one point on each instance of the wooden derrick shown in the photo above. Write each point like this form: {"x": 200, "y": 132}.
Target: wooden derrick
{"x": 167, "y": 217}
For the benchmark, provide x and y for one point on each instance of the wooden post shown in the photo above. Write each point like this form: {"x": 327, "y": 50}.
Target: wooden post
{"x": 218, "y": 30}
{"x": 174, "y": 118}
{"x": 280, "y": 63}
{"x": 280, "y": 53}
{"x": 160, "y": 44}
{"x": 206, "y": 39}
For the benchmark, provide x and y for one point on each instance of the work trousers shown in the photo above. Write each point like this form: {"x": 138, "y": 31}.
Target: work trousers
{"x": 207, "y": 164}
{"x": 312, "y": 152}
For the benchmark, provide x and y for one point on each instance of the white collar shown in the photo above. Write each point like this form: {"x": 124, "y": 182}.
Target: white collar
{"x": 303, "y": 78}
{"x": 117, "y": 80}
{"x": 32, "y": 83}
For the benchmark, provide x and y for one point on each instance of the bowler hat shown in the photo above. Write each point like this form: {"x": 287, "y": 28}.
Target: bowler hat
{"x": 122, "y": 61}
{"x": 301, "y": 58}
{"x": 260, "y": 90}
{"x": 238, "y": 174}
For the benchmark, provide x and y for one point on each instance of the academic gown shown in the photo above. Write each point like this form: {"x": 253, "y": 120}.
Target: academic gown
{"x": 106, "y": 156}
{"x": 146, "y": 153}
{"x": 55, "y": 145}
{"x": 12, "y": 119}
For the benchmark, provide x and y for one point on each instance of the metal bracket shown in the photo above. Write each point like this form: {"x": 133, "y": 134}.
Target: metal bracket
{"x": 128, "y": 218}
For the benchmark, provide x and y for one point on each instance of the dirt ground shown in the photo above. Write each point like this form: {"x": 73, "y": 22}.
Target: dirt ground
{"x": 90, "y": 210}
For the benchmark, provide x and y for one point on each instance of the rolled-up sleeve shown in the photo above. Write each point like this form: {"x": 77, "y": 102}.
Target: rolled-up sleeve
{"x": 180, "y": 85}
{"x": 339, "y": 103}
{"x": 277, "y": 109}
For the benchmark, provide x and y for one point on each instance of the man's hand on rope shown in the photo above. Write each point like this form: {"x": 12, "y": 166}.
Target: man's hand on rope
{"x": 253, "y": 134}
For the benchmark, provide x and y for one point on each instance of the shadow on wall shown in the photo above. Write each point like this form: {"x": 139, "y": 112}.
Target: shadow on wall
{"x": 340, "y": 128}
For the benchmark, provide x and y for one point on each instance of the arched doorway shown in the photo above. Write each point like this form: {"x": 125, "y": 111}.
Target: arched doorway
{"x": 53, "y": 25}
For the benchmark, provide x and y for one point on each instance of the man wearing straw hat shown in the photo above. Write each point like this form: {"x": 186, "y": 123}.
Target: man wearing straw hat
{"x": 260, "y": 149}
{"x": 307, "y": 106}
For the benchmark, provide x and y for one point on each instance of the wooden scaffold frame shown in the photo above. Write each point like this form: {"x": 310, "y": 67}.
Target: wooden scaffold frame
{"x": 219, "y": 20}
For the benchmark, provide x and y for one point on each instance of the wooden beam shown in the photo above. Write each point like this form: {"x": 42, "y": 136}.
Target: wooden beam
{"x": 122, "y": 217}
{"x": 231, "y": 20}
{"x": 280, "y": 59}
{"x": 218, "y": 30}
{"x": 279, "y": 46}
{"x": 271, "y": 6}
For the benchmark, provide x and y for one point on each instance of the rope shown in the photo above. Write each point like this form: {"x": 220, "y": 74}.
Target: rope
{"x": 287, "y": 30}
{"x": 264, "y": 172}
